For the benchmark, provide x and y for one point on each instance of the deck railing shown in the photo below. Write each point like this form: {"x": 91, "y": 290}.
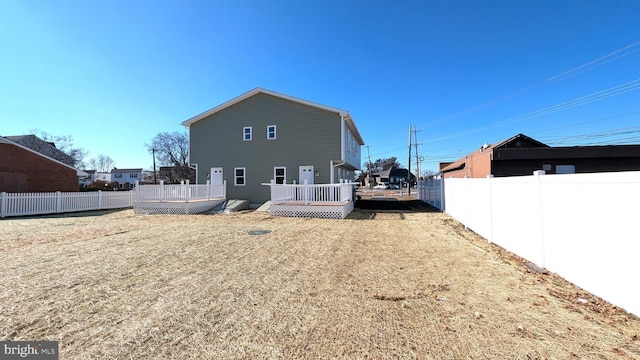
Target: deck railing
{"x": 180, "y": 192}
{"x": 312, "y": 193}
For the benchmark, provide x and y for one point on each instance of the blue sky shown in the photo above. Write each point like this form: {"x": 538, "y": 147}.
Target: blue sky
{"x": 112, "y": 74}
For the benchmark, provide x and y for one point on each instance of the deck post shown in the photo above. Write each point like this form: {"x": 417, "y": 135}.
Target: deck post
{"x": 208, "y": 189}
{"x": 272, "y": 188}
{"x": 186, "y": 190}
{"x": 3, "y": 205}
{"x": 224, "y": 189}
{"x": 305, "y": 190}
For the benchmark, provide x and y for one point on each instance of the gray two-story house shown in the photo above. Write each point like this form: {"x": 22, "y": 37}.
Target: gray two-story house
{"x": 262, "y": 135}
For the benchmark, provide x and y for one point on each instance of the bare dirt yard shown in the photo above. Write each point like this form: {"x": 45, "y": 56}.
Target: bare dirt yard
{"x": 377, "y": 285}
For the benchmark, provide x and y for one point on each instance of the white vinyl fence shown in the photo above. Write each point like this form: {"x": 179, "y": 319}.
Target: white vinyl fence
{"x": 584, "y": 227}
{"x": 22, "y": 204}
{"x": 431, "y": 191}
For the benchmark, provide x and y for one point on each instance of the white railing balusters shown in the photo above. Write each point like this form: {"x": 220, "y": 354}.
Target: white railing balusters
{"x": 311, "y": 193}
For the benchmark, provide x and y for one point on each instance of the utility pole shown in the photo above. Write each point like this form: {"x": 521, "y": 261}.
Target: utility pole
{"x": 415, "y": 135}
{"x": 369, "y": 167}
{"x": 409, "y": 167}
{"x": 155, "y": 179}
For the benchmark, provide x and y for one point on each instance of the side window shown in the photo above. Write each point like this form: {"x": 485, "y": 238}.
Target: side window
{"x": 280, "y": 174}
{"x": 271, "y": 132}
{"x": 246, "y": 133}
{"x": 239, "y": 178}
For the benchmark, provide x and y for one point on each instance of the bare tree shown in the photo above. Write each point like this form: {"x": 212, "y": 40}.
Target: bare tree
{"x": 68, "y": 153}
{"x": 384, "y": 164}
{"x": 426, "y": 174}
{"x": 172, "y": 149}
{"x": 102, "y": 163}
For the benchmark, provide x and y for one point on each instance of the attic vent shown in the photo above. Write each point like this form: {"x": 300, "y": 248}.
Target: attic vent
{"x": 518, "y": 143}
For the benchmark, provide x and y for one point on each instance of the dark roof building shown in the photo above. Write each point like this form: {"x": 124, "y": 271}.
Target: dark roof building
{"x": 522, "y": 155}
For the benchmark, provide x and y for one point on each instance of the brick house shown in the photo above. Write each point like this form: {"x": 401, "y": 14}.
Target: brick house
{"x": 521, "y": 155}
{"x": 25, "y": 170}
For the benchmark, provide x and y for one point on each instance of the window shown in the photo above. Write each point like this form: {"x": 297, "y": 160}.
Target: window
{"x": 117, "y": 176}
{"x": 280, "y": 175}
{"x": 246, "y": 133}
{"x": 565, "y": 169}
{"x": 271, "y": 132}
{"x": 134, "y": 176}
{"x": 239, "y": 176}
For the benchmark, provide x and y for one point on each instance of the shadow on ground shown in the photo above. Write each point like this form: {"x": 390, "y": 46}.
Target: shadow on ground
{"x": 393, "y": 204}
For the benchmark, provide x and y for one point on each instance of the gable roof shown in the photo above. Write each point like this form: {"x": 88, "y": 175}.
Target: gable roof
{"x": 343, "y": 113}
{"x": 460, "y": 163}
{"x": 5, "y": 140}
{"x": 43, "y": 147}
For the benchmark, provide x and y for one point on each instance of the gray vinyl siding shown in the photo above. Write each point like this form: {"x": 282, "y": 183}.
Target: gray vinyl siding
{"x": 305, "y": 135}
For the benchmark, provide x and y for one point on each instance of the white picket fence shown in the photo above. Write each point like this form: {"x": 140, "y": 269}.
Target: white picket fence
{"x": 580, "y": 226}
{"x": 23, "y": 204}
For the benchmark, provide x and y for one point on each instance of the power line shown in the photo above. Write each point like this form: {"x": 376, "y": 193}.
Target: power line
{"x": 615, "y": 55}
{"x": 587, "y": 99}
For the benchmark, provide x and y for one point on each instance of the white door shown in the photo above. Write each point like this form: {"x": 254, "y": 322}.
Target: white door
{"x": 306, "y": 173}
{"x": 216, "y": 176}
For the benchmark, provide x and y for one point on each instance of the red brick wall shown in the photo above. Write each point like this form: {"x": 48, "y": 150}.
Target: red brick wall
{"x": 23, "y": 171}
{"x": 480, "y": 164}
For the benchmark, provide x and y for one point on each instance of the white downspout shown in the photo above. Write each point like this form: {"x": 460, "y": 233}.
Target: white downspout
{"x": 342, "y": 145}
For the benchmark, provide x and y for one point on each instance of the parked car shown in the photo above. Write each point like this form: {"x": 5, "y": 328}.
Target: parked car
{"x": 394, "y": 187}
{"x": 381, "y": 186}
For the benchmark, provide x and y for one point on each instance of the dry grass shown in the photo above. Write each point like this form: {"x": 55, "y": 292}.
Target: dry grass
{"x": 118, "y": 285}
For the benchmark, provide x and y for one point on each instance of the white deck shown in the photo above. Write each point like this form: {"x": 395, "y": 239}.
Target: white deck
{"x": 178, "y": 199}
{"x": 329, "y": 210}
{"x": 175, "y": 207}
{"x": 328, "y": 201}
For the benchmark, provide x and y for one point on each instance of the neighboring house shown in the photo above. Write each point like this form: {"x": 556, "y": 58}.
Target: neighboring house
{"x": 395, "y": 176}
{"x": 43, "y": 147}
{"x": 522, "y": 155}
{"x": 176, "y": 174}
{"x": 85, "y": 181}
{"x": 25, "y": 170}
{"x": 94, "y": 176}
{"x": 126, "y": 178}
{"x": 262, "y": 135}
{"x": 106, "y": 177}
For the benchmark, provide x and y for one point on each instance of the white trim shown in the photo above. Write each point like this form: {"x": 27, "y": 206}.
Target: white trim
{"x": 342, "y": 139}
{"x": 244, "y": 176}
{"x": 275, "y": 134}
{"x": 244, "y": 133}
